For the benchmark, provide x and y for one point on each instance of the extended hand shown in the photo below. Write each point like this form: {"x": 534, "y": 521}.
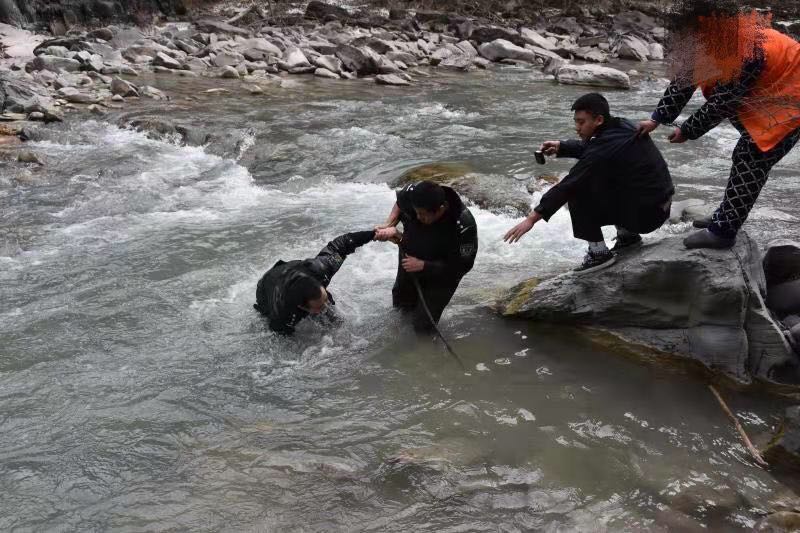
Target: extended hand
{"x": 516, "y": 233}
{"x": 550, "y": 147}
{"x": 412, "y": 264}
{"x": 387, "y": 234}
{"x": 677, "y": 137}
{"x": 645, "y": 127}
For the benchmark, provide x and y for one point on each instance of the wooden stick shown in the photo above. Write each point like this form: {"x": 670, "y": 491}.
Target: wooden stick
{"x": 749, "y": 445}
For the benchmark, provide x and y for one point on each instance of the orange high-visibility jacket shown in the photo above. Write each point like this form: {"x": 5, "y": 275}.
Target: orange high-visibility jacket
{"x": 771, "y": 110}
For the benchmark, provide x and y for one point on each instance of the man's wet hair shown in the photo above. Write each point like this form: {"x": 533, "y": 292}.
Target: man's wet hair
{"x": 302, "y": 290}
{"x": 427, "y": 195}
{"x": 594, "y": 103}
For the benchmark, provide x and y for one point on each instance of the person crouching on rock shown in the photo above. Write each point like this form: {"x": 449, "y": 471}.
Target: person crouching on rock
{"x": 619, "y": 180}
{"x": 749, "y": 74}
{"x": 437, "y": 248}
{"x": 290, "y": 291}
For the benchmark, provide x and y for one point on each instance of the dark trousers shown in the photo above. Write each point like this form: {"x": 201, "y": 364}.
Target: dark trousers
{"x": 749, "y": 173}
{"x": 595, "y": 206}
{"x": 437, "y": 294}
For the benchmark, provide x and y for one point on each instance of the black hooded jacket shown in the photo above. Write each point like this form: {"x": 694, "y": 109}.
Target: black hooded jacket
{"x": 274, "y": 295}
{"x": 631, "y": 167}
{"x": 448, "y": 246}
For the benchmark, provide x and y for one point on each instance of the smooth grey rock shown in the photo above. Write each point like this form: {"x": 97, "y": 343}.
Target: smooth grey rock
{"x": 356, "y": 61}
{"x": 260, "y": 44}
{"x": 74, "y": 96}
{"x": 293, "y": 57}
{"x": 96, "y": 110}
{"x": 330, "y": 63}
{"x": 21, "y": 95}
{"x": 501, "y": 49}
{"x": 58, "y": 51}
{"x": 325, "y": 73}
{"x": 593, "y": 75}
{"x": 390, "y": 79}
{"x": 631, "y": 47}
{"x": 791, "y": 321}
{"x": 151, "y": 92}
{"x": 656, "y": 51}
{"x": 117, "y": 98}
{"x": 29, "y": 157}
{"x": 534, "y": 38}
{"x": 227, "y": 59}
{"x": 553, "y": 64}
{"x": 53, "y": 63}
{"x": 163, "y": 60}
{"x": 123, "y": 88}
{"x": 229, "y": 73}
{"x": 695, "y": 305}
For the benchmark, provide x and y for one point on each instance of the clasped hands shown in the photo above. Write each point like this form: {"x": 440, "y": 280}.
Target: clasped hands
{"x": 387, "y": 232}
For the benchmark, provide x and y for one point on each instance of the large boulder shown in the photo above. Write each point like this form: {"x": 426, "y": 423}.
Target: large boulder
{"x": 293, "y": 58}
{"x": 356, "y": 61}
{"x": 631, "y": 47}
{"x": 21, "y": 95}
{"x": 593, "y": 75}
{"x": 701, "y": 306}
{"x": 53, "y": 64}
{"x": 500, "y": 49}
{"x": 123, "y": 88}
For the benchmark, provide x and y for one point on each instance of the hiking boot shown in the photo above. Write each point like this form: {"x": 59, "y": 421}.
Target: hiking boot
{"x": 705, "y": 239}
{"x": 702, "y": 223}
{"x": 626, "y": 241}
{"x": 596, "y": 261}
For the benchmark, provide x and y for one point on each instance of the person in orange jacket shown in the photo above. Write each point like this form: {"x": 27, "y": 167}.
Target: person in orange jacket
{"x": 749, "y": 74}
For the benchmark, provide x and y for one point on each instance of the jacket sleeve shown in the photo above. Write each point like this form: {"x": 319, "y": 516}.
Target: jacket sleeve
{"x": 462, "y": 255}
{"x": 560, "y": 193}
{"x": 330, "y": 259}
{"x": 571, "y": 148}
{"x": 726, "y": 100}
{"x": 672, "y": 103}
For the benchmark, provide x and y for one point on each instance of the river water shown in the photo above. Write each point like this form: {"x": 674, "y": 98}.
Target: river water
{"x": 139, "y": 391}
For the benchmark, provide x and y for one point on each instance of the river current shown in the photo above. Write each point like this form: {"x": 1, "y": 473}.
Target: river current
{"x": 139, "y": 390}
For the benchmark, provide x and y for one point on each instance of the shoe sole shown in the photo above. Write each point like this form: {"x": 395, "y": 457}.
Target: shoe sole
{"x": 596, "y": 268}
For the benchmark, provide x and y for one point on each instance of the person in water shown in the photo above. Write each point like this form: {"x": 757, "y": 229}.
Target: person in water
{"x": 290, "y": 291}
{"x": 619, "y": 180}
{"x": 437, "y": 248}
{"x": 749, "y": 74}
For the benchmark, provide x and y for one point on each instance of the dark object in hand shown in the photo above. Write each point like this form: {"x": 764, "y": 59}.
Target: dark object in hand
{"x": 539, "y": 157}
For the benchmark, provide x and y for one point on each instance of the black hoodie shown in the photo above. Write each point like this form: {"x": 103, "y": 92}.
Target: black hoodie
{"x": 274, "y": 293}
{"x": 632, "y": 167}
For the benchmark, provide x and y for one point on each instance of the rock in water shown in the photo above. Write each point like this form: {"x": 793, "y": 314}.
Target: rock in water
{"x": 501, "y": 49}
{"x": 700, "y": 306}
{"x": 593, "y": 75}
{"x": 784, "y": 450}
{"x": 390, "y": 79}
{"x": 782, "y": 270}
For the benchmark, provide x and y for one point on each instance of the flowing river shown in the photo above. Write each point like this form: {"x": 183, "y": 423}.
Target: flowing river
{"x": 139, "y": 390}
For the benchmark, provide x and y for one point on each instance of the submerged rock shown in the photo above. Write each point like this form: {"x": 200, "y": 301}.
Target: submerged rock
{"x": 784, "y": 450}
{"x": 701, "y": 306}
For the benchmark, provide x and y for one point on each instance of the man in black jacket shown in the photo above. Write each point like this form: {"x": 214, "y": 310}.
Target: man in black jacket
{"x": 289, "y": 292}
{"x": 620, "y": 179}
{"x": 437, "y": 248}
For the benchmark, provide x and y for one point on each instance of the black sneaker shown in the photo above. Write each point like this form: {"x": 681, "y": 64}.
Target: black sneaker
{"x": 596, "y": 261}
{"x": 627, "y": 241}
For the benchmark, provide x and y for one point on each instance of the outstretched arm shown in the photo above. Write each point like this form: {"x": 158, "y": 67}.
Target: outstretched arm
{"x": 330, "y": 259}
{"x": 725, "y": 102}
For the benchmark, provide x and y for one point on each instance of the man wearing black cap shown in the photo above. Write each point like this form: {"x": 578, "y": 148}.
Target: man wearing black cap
{"x": 437, "y": 248}
{"x": 290, "y": 291}
{"x": 620, "y": 179}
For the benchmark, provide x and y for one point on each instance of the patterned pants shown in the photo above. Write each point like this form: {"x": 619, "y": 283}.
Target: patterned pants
{"x": 749, "y": 173}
